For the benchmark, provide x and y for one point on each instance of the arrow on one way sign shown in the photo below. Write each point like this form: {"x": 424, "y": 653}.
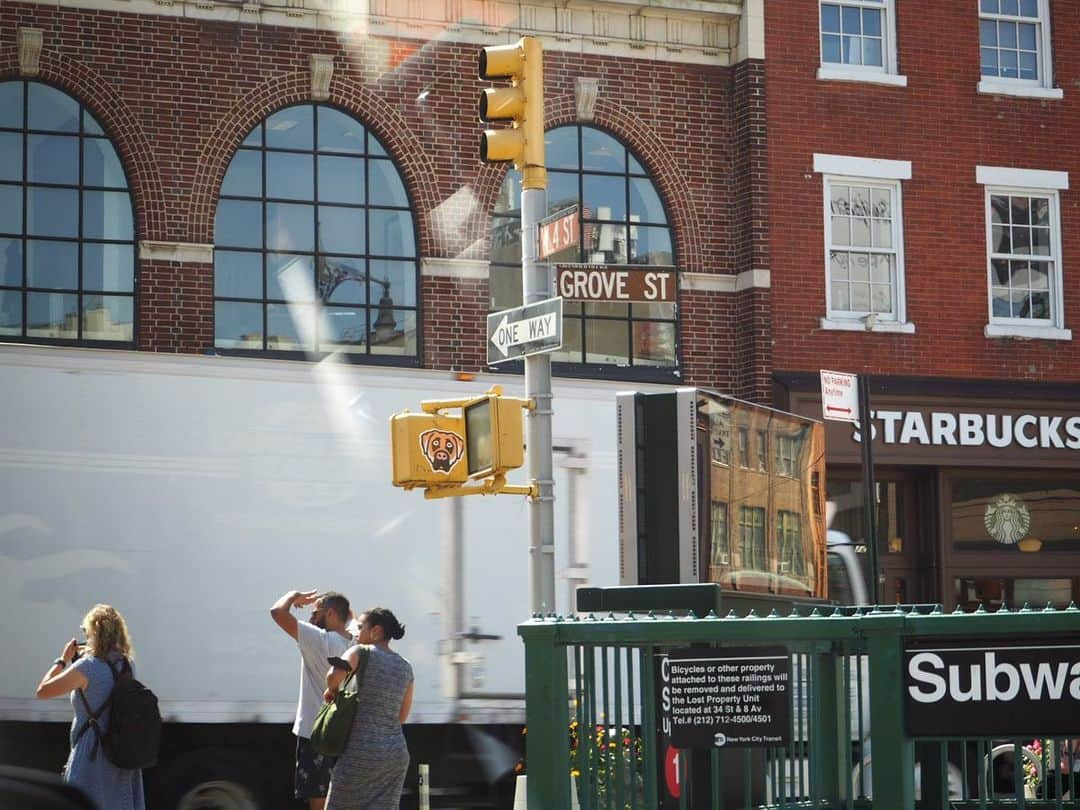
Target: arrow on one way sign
{"x": 526, "y": 330}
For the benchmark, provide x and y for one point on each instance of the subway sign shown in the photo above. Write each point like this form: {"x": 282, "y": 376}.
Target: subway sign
{"x": 963, "y": 688}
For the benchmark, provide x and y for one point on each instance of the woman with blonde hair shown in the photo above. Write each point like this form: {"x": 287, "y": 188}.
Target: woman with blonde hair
{"x": 91, "y": 671}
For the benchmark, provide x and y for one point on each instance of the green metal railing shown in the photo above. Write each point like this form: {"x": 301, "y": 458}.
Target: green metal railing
{"x": 592, "y": 716}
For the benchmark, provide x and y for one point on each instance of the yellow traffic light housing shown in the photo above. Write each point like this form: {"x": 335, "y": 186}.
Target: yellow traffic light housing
{"x": 440, "y": 452}
{"x": 522, "y": 103}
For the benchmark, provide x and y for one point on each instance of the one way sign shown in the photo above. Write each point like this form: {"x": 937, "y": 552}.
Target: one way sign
{"x": 521, "y": 331}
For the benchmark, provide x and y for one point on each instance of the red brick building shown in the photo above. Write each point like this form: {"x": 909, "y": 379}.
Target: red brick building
{"x": 923, "y": 223}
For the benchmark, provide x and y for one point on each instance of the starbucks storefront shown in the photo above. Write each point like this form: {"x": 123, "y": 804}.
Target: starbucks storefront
{"x": 978, "y": 492}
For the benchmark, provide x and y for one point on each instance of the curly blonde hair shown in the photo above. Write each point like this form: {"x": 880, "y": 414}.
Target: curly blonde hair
{"x": 106, "y": 631}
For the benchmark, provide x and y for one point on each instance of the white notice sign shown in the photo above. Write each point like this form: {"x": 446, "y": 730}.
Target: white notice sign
{"x": 839, "y": 396}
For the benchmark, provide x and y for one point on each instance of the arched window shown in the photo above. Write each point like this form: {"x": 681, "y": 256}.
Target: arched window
{"x": 623, "y": 221}
{"x": 314, "y": 245}
{"x": 67, "y": 232}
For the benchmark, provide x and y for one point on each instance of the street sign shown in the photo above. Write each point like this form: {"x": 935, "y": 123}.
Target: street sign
{"x": 531, "y": 329}
{"x": 603, "y": 282}
{"x": 839, "y": 396}
{"x": 558, "y": 232}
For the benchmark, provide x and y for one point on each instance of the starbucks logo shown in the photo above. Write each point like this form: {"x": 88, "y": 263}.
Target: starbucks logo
{"x": 1007, "y": 519}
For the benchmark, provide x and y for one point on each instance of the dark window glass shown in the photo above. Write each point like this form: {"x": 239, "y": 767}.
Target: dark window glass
{"x": 67, "y": 229}
{"x": 1015, "y": 514}
{"x": 623, "y": 222}
{"x": 315, "y": 242}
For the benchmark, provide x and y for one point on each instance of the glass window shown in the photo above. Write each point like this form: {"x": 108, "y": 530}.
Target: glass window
{"x": 859, "y": 35}
{"x": 67, "y": 230}
{"x": 315, "y": 242}
{"x": 721, "y": 543}
{"x": 1017, "y": 514}
{"x": 1014, "y": 41}
{"x": 623, "y": 222}
{"x": 790, "y": 542}
{"x": 1024, "y": 275}
{"x": 752, "y": 538}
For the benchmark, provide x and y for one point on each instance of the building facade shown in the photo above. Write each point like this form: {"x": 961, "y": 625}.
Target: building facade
{"x": 922, "y": 230}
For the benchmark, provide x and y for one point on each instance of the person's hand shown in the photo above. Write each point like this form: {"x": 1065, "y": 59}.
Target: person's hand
{"x": 69, "y": 651}
{"x": 329, "y": 695}
{"x": 303, "y": 598}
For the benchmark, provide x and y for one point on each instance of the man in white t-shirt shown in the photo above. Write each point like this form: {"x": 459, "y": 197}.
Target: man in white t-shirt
{"x": 324, "y": 636}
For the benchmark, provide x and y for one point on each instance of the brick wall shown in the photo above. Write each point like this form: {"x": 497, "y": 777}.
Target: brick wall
{"x": 945, "y": 128}
{"x": 178, "y": 95}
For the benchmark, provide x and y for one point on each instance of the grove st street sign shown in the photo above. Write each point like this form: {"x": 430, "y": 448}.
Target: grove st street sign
{"x": 531, "y": 329}
{"x": 602, "y": 282}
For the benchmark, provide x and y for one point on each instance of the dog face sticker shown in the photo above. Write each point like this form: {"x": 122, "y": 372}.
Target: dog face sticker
{"x": 442, "y": 449}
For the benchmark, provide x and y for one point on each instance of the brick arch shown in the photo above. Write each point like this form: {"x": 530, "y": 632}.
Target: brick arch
{"x": 278, "y": 92}
{"x": 657, "y": 159}
{"x": 120, "y": 125}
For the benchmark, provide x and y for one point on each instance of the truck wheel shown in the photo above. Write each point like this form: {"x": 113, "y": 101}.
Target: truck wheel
{"x": 212, "y": 780}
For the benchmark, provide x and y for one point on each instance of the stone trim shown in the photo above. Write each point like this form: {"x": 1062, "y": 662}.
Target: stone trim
{"x": 454, "y": 268}
{"x": 179, "y": 252}
{"x": 322, "y": 70}
{"x": 725, "y": 283}
{"x": 30, "y": 42}
{"x": 586, "y": 91}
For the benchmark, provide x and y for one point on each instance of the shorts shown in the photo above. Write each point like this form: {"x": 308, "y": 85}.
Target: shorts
{"x": 312, "y": 772}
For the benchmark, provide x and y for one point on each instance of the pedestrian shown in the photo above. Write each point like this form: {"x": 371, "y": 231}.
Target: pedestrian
{"x": 370, "y": 774}
{"x": 324, "y": 636}
{"x": 86, "y": 669}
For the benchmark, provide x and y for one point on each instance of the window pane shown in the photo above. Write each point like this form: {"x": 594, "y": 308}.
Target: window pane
{"x": 601, "y": 152}
{"x": 11, "y": 210}
{"x": 343, "y": 280}
{"x": 341, "y": 179}
{"x": 850, "y": 24}
{"x": 653, "y": 310}
{"x": 605, "y": 243}
{"x": 52, "y": 315}
{"x": 830, "y": 49}
{"x": 654, "y": 344}
{"x": 290, "y": 128}
{"x": 392, "y": 233}
{"x": 1027, "y": 37}
{"x": 290, "y": 278}
{"x": 10, "y": 312}
{"x": 244, "y": 177}
{"x": 562, "y": 148}
{"x": 871, "y": 22}
{"x": 238, "y": 224}
{"x": 11, "y": 156}
{"x": 882, "y": 233}
{"x": 1040, "y": 241}
{"x": 341, "y": 230}
{"x": 571, "y": 345}
{"x": 375, "y": 147}
{"x": 504, "y": 286}
{"x": 237, "y": 275}
{"x": 396, "y": 279}
{"x": 987, "y": 33}
{"x": 290, "y": 227}
{"x": 871, "y": 53}
{"x": 859, "y": 267}
{"x": 605, "y": 197}
{"x": 101, "y": 165}
{"x": 509, "y": 199}
{"x": 881, "y": 269}
{"x": 393, "y": 331}
{"x": 11, "y": 104}
{"x": 290, "y": 176}
{"x": 90, "y": 124}
{"x": 11, "y": 262}
{"x": 830, "y": 18}
{"x": 1007, "y": 37}
{"x": 1029, "y": 67}
{"x": 645, "y": 202}
{"x": 290, "y": 327}
{"x": 860, "y": 297}
{"x": 237, "y": 326}
{"x": 51, "y": 109}
{"x": 254, "y": 138}
{"x": 841, "y": 231}
{"x": 1029, "y": 8}
{"x": 344, "y": 330}
{"x": 339, "y": 132}
{"x": 107, "y": 215}
{"x": 841, "y": 300}
{"x": 607, "y": 342}
{"x": 562, "y": 191}
{"x": 52, "y": 212}
{"x": 852, "y": 48}
{"x": 52, "y": 159}
{"x": 506, "y": 241}
{"x": 651, "y": 245}
{"x": 839, "y": 263}
{"x": 1040, "y": 211}
{"x": 108, "y": 317}
{"x": 52, "y": 265}
{"x": 385, "y": 186}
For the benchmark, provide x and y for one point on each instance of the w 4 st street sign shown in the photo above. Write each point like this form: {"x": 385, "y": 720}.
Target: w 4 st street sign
{"x": 531, "y": 329}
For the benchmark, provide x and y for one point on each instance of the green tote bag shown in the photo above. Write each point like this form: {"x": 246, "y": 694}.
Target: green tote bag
{"x": 334, "y": 720}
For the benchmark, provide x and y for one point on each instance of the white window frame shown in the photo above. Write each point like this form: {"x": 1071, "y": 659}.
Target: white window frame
{"x": 888, "y": 73}
{"x": 844, "y": 169}
{"x": 1035, "y": 182}
{"x": 1042, "y": 87}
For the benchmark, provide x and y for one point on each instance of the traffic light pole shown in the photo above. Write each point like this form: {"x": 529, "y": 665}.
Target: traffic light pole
{"x": 536, "y": 285}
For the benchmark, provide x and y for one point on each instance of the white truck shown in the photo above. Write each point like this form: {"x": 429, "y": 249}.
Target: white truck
{"x": 192, "y": 491}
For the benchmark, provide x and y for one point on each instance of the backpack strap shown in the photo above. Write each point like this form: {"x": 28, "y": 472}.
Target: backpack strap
{"x": 92, "y": 720}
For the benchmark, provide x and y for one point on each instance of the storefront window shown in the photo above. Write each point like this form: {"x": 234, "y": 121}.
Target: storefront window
{"x": 993, "y": 592}
{"x": 1016, "y": 514}
{"x": 845, "y": 505}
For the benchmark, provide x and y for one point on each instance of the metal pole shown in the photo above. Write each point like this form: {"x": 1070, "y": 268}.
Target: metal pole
{"x": 870, "y": 492}
{"x": 454, "y": 568}
{"x": 536, "y": 285}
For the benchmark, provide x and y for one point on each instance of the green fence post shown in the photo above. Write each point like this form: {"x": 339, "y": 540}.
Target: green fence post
{"x": 547, "y": 717}
{"x": 826, "y": 739}
{"x": 893, "y": 767}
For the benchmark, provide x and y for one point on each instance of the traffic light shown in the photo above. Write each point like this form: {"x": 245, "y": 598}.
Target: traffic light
{"x": 440, "y": 452}
{"x": 522, "y": 103}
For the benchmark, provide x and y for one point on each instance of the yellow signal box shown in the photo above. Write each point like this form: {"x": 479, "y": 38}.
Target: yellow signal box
{"x": 494, "y": 435}
{"x": 428, "y": 449}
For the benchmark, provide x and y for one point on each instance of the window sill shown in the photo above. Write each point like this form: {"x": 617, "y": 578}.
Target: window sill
{"x": 840, "y": 74}
{"x": 999, "y": 330}
{"x": 857, "y": 325}
{"x": 1005, "y": 88}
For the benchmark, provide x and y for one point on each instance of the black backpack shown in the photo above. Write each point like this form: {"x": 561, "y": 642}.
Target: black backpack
{"x": 134, "y": 732}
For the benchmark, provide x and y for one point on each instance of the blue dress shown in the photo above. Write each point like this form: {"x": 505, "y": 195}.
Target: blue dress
{"x": 109, "y": 787}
